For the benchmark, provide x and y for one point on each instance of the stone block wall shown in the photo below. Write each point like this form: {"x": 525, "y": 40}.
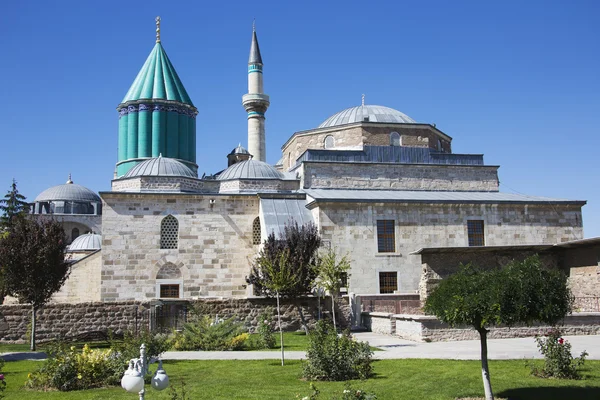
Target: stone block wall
{"x": 351, "y": 228}
{"x": 430, "y": 329}
{"x": 83, "y": 284}
{"x": 68, "y": 320}
{"x": 321, "y": 175}
{"x": 355, "y": 136}
{"x": 214, "y": 246}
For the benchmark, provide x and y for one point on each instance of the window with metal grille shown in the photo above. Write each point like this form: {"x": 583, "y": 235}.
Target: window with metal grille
{"x": 169, "y": 291}
{"x": 169, "y": 232}
{"x": 394, "y": 139}
{"x": 344, "y": 282}
{"x": 386, "y": 238}
{"x": 388, "y": 282}
{"x": 256, "y": 231}
{"x": 475, "y": 233}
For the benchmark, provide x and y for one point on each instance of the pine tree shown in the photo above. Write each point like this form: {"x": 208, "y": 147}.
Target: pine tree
{"x": 12, "y": 205}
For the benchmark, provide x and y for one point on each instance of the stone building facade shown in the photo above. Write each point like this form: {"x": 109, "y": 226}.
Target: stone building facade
{"x": 377, "y": 184}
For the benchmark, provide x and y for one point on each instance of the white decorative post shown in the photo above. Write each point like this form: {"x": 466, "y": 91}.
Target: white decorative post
{"x": 133, "y": 379}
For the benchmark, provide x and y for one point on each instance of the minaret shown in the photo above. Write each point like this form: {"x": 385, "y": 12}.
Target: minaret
{"x": 256, "y": 102}
{"x": 156, "y": 116}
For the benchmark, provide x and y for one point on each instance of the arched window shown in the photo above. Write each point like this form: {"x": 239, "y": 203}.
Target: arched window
{"x": 74, "y": 234}
{"x": 440, "y": 145}
{"x": 394, "y": 139}
{"x": 169, "y": 232}
{"x": 256, "y": 231}
{"x": 329, "y": 142}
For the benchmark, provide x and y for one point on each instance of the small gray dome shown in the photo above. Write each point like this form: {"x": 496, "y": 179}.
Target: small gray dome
{"x": 250, "y": 169}
{"x": 239, "y": 150}
{"x": 89, "y": 241}
{"x": 67, "y": 192}
{"x": 370, "y": 113}
{"x": 160, "y": 166}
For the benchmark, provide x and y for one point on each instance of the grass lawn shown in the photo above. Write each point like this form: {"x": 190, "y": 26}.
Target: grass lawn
{"x": 395, "y": 379}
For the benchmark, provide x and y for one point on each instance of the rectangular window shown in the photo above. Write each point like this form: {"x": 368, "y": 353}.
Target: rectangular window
{"x": 475, "y": 232}
{"x": 386, "y": 239}
{"x": 388, "y": 282}
{"x": 169, "y": 291}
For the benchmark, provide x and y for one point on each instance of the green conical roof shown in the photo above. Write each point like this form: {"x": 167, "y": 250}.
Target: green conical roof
{"x": 158, "y": 80}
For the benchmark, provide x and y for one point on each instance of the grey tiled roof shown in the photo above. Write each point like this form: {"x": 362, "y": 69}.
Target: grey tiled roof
{"x": 277, "y": 213}
{"x": 160, "y": 166}
{"x": 67, "y": 192}
{"x": 428, "y": 196}
{"x": 250, "y": 169}
{"x": 89, "y": 241}
{"x": 372, "y": 112}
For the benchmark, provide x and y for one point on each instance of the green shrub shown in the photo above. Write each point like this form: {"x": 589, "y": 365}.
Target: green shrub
{"x": 558, "y": 361}
{"x": 129, "y": 347}
{"x": 349, "y": 393}
{"x": 67, "y": 368}
{"x": 336, "y": 358}
{"x": 266, "y": 338}
{"x": 2, "y": 381}
{"x": 206, "y": 333}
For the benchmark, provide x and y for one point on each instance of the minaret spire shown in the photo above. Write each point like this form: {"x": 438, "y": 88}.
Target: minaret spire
{"x": 255, "y": 101}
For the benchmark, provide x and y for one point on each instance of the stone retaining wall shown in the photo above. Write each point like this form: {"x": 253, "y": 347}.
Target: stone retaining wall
{"x": 430, "y": 329}
{"x": 67, "y": 320}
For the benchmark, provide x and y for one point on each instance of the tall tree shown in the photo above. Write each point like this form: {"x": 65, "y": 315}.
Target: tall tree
{"x": 519, "y": 293}
{"x": 32, "y": 255}
{"x": 280, "y": 277}
{"x": 12, "y": 205}
{"x": 331, "y": 273}
{"x": 301, "y": 243}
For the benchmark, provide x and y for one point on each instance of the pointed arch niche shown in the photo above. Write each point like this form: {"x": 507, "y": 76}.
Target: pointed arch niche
{"x": 169, "y": 282}
{"x": 256, "y": 235}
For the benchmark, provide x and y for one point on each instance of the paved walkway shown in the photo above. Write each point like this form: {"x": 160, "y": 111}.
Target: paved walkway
{"x": 395, "y": 348}
{"x": 391, "y": 348}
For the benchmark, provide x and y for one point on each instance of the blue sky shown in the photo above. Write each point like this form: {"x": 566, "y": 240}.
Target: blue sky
{"x": 517, "y": 81}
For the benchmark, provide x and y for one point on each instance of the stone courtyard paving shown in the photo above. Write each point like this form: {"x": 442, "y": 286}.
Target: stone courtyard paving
{"x": 392, "y": 348}
{"x": 395, "y": 348}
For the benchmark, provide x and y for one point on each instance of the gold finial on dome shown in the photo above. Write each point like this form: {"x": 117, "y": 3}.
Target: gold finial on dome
{"x": 157, "y": 19}
{"x": 69, "y": 181}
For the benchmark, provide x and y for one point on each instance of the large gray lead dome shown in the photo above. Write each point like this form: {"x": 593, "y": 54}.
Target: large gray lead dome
{"x": 250, "y": 169}
{"x": 367, "y": 113}
{"x": 68, "y": 192}
{"x": 160, "y": 166}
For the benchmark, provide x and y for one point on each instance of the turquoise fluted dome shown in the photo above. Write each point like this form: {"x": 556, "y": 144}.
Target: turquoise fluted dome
{"x": 156, "y": 116}
{"x": 158, "y": 80}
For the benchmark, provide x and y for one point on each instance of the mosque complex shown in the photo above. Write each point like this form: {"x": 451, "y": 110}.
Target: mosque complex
{"x": 377, "y": 184}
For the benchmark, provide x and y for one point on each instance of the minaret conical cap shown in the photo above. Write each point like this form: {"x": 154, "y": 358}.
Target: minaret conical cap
{"x": 255, "y": 57}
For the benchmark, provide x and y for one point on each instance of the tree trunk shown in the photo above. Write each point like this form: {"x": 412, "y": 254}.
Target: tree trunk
{"x": 333, "y": 311}
{"x": 302, "y": 319}
{"x": 485, "y": 370}
{"x": 33, "y": 318}
{"x": 280, "y": 329}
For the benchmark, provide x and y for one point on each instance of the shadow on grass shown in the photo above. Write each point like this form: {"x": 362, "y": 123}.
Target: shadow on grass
{"x": 551, "y": 393}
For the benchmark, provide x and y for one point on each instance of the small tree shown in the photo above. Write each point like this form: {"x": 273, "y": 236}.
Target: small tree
{"x": 12, "y": 205}
{"x": 519, "y": 293}
{"x": 279, "y": 277}
{"x": 331, "y": 273}
{"x": 301, "y": 243}
{"x": 33, "y": 259}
